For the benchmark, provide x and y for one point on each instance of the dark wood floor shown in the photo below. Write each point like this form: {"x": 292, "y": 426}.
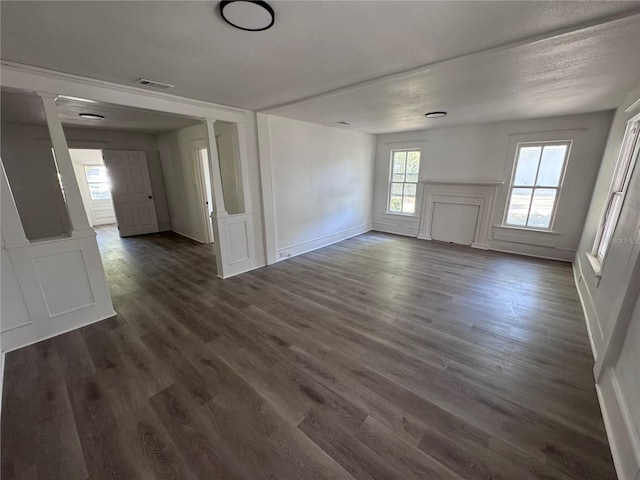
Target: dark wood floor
{"x": 379, "y": 357}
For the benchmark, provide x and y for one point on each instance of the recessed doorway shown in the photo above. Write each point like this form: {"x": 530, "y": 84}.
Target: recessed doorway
{"x": 95, "y": 185}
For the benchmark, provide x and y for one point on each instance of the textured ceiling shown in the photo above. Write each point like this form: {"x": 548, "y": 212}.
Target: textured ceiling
{"x": 27, "y": 108}
{"x": 583, "y": 71}
{"x": 320, "y": 46}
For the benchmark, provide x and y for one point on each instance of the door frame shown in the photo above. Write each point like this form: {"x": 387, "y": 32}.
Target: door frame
{"x": 200, "y": 173}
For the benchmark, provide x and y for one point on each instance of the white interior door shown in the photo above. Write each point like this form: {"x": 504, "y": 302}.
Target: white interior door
{"x": 131, "y": 192}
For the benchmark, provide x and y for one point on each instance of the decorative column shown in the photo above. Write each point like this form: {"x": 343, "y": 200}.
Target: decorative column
{"x": 219, "y": 209}
{"x": 77, "y": 214}
{"x": 219, "y": 213}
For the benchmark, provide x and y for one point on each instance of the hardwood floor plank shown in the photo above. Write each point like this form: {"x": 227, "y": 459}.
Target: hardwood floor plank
{"x": 354, "y": 456}
{"x": 413, "y": 462}
{"x": 377, "y": 357}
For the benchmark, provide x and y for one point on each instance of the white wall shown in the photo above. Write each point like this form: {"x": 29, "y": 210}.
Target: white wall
{"x": 178, "y": 164}
{"x": 609, "y": 303}
{"x": 487, "y": 152}
{"x": 627, "y": 374}
{"x": 117, "y": 140}
{"x": 28, "y": 160}
{"x": 322, "y": 179}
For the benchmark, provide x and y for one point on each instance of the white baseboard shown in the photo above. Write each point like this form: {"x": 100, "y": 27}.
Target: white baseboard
{"x": 308, "y": 246}
{"x": 623, "y": 440}
{"x": 534, "y": 251}
{"x": 624, "y": 443}
{"x": 395, "y": 228}
{"x": 24, "y": 336}
{"x": 191, "y": 235}
{"x": 246, "y": 266}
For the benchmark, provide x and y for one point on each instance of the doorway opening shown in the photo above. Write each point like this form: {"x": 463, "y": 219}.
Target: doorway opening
{"x": 95, "y": 185}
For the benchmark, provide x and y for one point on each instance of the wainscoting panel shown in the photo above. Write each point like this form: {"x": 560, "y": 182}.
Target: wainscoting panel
{"x": 63, "y": 285}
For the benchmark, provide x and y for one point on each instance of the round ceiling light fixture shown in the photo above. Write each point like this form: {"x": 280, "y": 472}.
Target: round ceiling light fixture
{"x": 91, "y": 116}
{"x": 435, "y": 114}
{"x": 249, "y": 15}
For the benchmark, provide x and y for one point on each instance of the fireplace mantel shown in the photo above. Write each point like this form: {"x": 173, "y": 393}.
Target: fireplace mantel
{"x": 480, "y": 183}
{"x": 480, "y": 193}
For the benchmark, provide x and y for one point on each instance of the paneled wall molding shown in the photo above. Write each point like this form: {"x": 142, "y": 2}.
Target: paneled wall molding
{"x": 527, "y": 236}
{"x": 53, "y": 306}
{"x": 480, "y": 193}
{"x": 234, "y": 235}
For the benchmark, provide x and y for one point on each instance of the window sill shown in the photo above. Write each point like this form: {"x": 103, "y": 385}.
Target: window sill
{"x": 596, "y": 265}
{"x": 530, "y": 236}
{"x": 524, "y": 229}
{"x": 400, "y": 214}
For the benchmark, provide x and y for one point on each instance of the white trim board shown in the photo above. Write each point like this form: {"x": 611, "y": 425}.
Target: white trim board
{"x": 588, "y": 307}
{"x": 32, "y": 78}
{"x": 623, "y": 441}
{"x": 32, "y": 341}
{"x": 190, "y": 236}
{"x": 405, "y": 230}
{"x": 309, "y": 245}
{"x": 625, "y": 446}
{"x": 535, "y": 251}
{"x": 587, "y": 304}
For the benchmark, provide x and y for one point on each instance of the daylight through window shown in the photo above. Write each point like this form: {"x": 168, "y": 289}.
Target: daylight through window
{"x": 536, "y": 184}
{"x": 624, "y": 169}
{"x": 98, "y": 181}
{"x": 405, "y": 167}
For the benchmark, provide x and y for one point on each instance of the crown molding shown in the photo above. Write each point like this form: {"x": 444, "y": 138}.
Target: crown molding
{"x": 8, "y": 66}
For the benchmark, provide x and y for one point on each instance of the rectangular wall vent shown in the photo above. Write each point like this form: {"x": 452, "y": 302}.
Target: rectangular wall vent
{"x": 152, "y": 83}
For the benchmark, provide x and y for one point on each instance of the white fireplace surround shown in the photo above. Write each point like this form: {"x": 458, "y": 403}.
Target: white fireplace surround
{"x": 480, "y": 193}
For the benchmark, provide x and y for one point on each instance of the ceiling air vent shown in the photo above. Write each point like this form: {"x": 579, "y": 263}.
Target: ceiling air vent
{"x": 152, "y": 83}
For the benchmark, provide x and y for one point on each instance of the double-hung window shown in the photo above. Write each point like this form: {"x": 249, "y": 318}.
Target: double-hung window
{"x": 535, "y": 185}
{"x": 617, "y": 192}
{"x": 403, "y": 184}
{"x": 98, "y": 181}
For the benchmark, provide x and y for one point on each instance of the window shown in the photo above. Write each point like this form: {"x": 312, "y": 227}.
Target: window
{"x": 535, "y": 186}
{"x": 405, "y": 167}
{"x": 98, "y": 182}
{"x": 618, "y": 190}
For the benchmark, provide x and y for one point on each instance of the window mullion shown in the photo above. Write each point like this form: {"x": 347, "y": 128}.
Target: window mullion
{"x": 533, "y": 192}
{"x": 535, "y": 182}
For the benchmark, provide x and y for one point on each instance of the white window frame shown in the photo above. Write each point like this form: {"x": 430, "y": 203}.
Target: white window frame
{"x": 627, "y": 157}
{"x": 390, "y": 182}
{"x": 535, "y": 186}
{"x": 84, "y": 171}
